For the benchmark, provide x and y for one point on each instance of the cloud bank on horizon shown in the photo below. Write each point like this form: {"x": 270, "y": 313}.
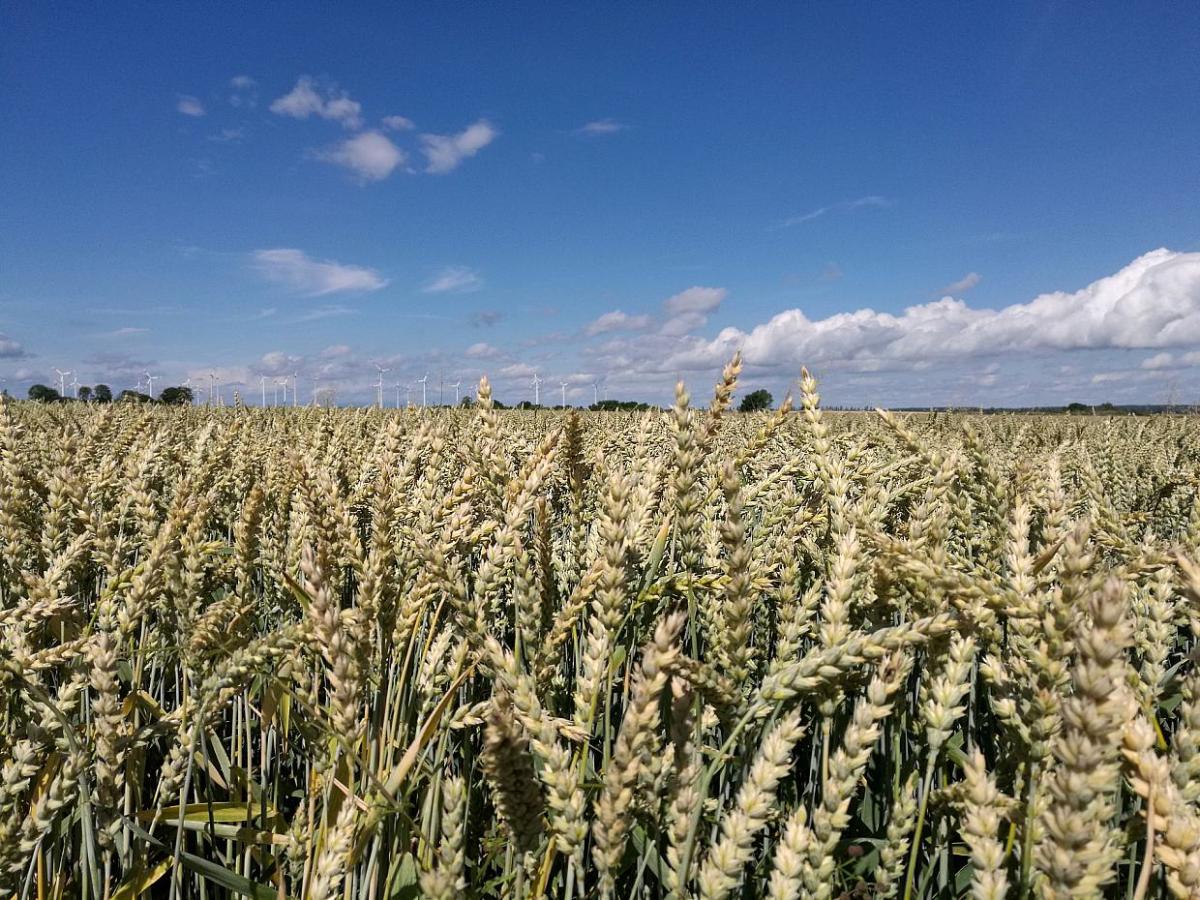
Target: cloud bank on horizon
{"x": 1147, "y": 313}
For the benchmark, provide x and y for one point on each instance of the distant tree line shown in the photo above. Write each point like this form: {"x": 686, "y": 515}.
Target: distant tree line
{"x": 102, "y": 393}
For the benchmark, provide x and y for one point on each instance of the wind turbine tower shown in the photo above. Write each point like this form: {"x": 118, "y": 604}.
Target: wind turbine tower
{"x": 62, "y": 381}
{"x": 537, "y": 392}
{"x": 455, "y": 386}
{"x": 423, "y": 382}
{"x": 379, "y": 385}
{"x": 150, "y": 381}
{"x": 563, "y": 385}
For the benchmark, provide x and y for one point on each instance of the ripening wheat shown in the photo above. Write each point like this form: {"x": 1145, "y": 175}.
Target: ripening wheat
{"x": 447, "y": 653}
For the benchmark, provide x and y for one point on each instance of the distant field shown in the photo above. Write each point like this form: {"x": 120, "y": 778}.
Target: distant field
{"x": 373, "y": 654}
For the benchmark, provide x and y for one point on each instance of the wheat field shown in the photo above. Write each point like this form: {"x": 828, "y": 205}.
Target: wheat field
{"x": 379, "y": 654}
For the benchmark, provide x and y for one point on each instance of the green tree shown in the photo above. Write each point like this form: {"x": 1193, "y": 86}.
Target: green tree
{"x": 134, "y": 397}
{"x": 43, "y": 393}
{"x": 85, "y": 393}
{"x": 756, "y": 401}
{"x": 176, "y": 396}
{"x": 102, "y": 393}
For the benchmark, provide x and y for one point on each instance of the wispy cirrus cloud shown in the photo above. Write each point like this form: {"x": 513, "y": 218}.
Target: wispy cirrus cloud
{"x": 327, "y": 312}
{"x": 871, "y": 201}
{"x": 445, "y": 152}
{"x": 314, "y": 277}
{"x": 600, "y": 127}
{"x": 964, "y": 284}
{"x": 454, "y": 280}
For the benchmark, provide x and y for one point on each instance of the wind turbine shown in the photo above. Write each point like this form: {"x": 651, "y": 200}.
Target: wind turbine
{"x": 295, "y": 388}
{"x": 187, "y": 383}
{"x": 398, "y": 386}
{"x": 537, "y": 394}
{"x": 150, "y": 381}
{"x": 455, "y": 386}
{"x": 380, "y": 385}
{"x": 563, "y": 385}
{"x": 263, "y": 381}
{"x": 423, "y": 382}
{"x": 62, "y": 381}
{"x": 212, "y": 391}
{"x": 595, "y": 393}
{"x": 408, "y": 396}
{"x": 75, "y": 384}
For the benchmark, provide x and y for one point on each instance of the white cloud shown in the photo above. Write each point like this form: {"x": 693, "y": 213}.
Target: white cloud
{"x": 454, "y": 280}
{"x": 481, "y": 350}
{"x": 327, "y": 312}
{"x": 963, "y": 284}
{"x": 446, "y": 151}
{"x": 518, "y": 370}
{"x": 335, "y": 351}
{"x": 314, "y": 277}
{"x": 370, "y": 155}
{"x": 309, "y": 98}
{"x": 1172, "y": 361}
{"x": 616, "y": 321}
{"x": 695, "y": 300}
{"x": 245, "y": 92}
{"x": 871, "y": 201}
{"x": 398, "y": 123}
{"x": 227, "y": 136}
{"x": 689, "y": 310}
{"x": 600, "y": 127}
{"x": 1159, "y": 361}
{"x": 189, "y": 105}
{"x": 1152, "y": 303}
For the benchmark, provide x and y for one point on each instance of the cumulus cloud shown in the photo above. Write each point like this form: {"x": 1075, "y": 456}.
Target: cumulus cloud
{"x": 600, "y": 127}
{"x": 616, "y": 321}
{"x": 1172, "y": 361}
{"x": 314, "y": 277}
{"x": 370, "y": 155}
{"x": 481, "y": 350}
{"x": 963, "y": 284}
{"x": 1152, "y": 303}
{"x": 398, "y": 123}
{"x": 690, "y": 309}
{"x": 189, "y": 105}
{"x": 10, "y": 349}
{"x": 518, "y": 370}
{"x": 454, "y": 280}
{"x": 445, "y": 152}
{"x": 279, "y": 363}
{"x": 871, "y": 201}
{"x": 310, "y": 98}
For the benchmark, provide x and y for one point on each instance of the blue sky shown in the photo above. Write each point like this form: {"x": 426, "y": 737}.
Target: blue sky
{"x": 617, "y": 193}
